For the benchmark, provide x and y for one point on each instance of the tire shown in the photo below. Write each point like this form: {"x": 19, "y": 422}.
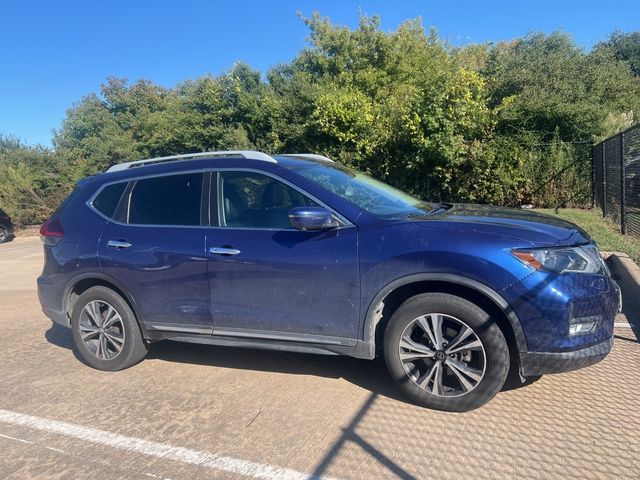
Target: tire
{"x": 4, "y": 234}
{"x": 118, "y": 344}
{"x": 468, "y": 378}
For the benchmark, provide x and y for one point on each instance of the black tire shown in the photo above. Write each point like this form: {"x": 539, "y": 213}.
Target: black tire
{"x": 4, "y": 234}
{"x": 492, "y": 355}
{"x": 133, "y": 347}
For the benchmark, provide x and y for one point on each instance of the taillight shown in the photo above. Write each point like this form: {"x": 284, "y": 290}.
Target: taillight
{"x": 51, "y": 231}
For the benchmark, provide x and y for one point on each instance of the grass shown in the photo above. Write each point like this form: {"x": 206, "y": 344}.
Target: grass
{"x": 604, "y": 231}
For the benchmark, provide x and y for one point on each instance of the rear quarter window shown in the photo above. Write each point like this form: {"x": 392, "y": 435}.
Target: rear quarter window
{"x": 108, "y": 198}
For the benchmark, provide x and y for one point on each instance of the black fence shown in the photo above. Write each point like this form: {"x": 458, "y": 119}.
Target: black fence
{"x": 616, "y": 179}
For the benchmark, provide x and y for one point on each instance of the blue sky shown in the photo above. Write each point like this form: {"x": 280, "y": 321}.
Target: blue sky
{"x": 53, "y": 52}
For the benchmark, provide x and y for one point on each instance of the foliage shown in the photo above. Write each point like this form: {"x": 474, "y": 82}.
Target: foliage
{"x": 624, "y": 47}
{"x": 33, "y": 181}
{"x": 507, "y": 123}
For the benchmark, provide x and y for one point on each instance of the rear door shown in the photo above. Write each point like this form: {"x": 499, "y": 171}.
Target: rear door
{"x": 269, "y": 280}
{"x": 157, "y": 250}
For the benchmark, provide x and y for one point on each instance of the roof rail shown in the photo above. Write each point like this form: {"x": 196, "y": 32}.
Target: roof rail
{"x": 248, "y": 154}
{"x": 310, "y": 156}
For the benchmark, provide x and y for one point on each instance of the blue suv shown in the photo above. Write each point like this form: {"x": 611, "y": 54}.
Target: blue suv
{"x": 298, "y": 253}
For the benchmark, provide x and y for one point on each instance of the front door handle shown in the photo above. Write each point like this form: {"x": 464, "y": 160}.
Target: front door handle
{"x": 224, "y": 251}
{"x": 118, "y": 244}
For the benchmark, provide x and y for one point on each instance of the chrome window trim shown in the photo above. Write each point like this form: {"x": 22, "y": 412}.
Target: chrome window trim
{"x": 345, "y": 222}
{"x": 89, "y": 202}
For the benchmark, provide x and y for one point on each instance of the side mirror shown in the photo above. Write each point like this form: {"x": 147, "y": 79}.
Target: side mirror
{"x": 312, "y": 218}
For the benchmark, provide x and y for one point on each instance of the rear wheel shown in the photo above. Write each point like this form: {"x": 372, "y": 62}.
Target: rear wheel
{"x": 105, "y": 330}
{"x": 445, "y": 352}
{"x": 4, "y": 234}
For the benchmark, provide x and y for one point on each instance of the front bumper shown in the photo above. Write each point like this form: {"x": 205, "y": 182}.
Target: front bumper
{"x": 547, "y": 305}
{"x": 541, "y": 363}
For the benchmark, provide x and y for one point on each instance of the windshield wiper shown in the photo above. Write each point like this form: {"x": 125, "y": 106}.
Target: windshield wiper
{"x": 441, "y": 207}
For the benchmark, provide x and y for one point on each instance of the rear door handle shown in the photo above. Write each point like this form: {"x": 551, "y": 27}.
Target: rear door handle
{"x": 224, "y": 251}
{"x": 118, "y": 244}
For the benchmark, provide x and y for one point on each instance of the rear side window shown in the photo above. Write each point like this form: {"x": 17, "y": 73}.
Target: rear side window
{"x": 107, "y": 200}
{"x": 167, "y": 200}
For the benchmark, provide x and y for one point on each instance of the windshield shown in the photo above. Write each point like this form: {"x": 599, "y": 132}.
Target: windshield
{"x": 365, "y": 192}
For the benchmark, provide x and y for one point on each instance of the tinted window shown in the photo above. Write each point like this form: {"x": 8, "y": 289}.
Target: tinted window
{"x": 107, "y": 200}
{"x": 168, "y": 200}
{"x": 252, "y": 200}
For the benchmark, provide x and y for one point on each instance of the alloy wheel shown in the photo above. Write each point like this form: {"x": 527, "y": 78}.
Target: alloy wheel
{"x": 442, "y": 355}
{"x": 102, "y": 330}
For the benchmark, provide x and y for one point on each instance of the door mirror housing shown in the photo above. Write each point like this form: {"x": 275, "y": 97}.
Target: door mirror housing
{"x": 312, "y": 219}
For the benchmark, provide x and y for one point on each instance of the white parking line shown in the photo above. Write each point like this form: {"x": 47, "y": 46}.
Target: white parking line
{"x": 155, "y": 449}
{"x": 69, "y": 454}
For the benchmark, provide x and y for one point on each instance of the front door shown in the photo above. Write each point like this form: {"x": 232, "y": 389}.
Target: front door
{"x": 269, "y": 280}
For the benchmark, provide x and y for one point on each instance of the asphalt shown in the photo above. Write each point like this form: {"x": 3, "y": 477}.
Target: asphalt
{"x": 192, "y": 411}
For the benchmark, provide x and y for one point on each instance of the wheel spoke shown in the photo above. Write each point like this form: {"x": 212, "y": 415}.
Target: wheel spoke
{"x": 115, "y": 339}
{"x": 437, "y": 381}
{"x": 464, "y": 382}
{"x": 436, "y": 321}
{"x": 424, "y": 380}
{"x": 98, "y": 352}
{"x": 413, "y": 350}
{"x": 473, "y": 345}
{"x": 111, "y": 317}
{"x": 97, "y": 313}
{"x": 462, "y": 368}
{"x": 87, "y": 332}
{"x": 89, "y": 309}
{"x": 426, "y": 327}
{"x": 462, "y": 335}
{"x": 104, "y": 350}
{"x": 410, "y": 356}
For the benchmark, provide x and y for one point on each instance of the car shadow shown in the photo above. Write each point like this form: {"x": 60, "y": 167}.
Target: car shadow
{"x": 370, "y": 375}
{"x": 62, "y": 337}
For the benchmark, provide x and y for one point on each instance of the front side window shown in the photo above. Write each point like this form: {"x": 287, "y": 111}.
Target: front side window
{"x": 167, "y": 200}
{"x": 252, "y": 200}
{"x": 363, "y": 191}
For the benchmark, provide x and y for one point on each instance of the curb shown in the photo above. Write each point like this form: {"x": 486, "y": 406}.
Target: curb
{"x": 627, "y": 273}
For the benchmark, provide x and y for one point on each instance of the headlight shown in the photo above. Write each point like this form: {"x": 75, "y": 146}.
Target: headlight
{"x": 582, "y": 259}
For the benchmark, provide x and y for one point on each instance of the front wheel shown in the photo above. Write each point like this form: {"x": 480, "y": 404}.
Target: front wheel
{"x": 105, "y": 331}
{"x": 445, "y": 352}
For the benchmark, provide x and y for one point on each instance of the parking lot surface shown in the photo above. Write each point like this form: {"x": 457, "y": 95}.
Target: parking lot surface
{"x": 193, "y": 411}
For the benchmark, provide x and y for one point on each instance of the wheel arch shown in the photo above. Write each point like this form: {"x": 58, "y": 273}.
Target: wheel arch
{"x": 82, "y": 283}
{"x": 393, "y": 294}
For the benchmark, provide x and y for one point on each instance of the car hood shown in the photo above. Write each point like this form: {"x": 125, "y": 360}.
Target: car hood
{"x": 535, "y": 228}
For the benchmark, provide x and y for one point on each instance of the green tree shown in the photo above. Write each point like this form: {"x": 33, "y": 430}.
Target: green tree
{"x": 624, "y": 47}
